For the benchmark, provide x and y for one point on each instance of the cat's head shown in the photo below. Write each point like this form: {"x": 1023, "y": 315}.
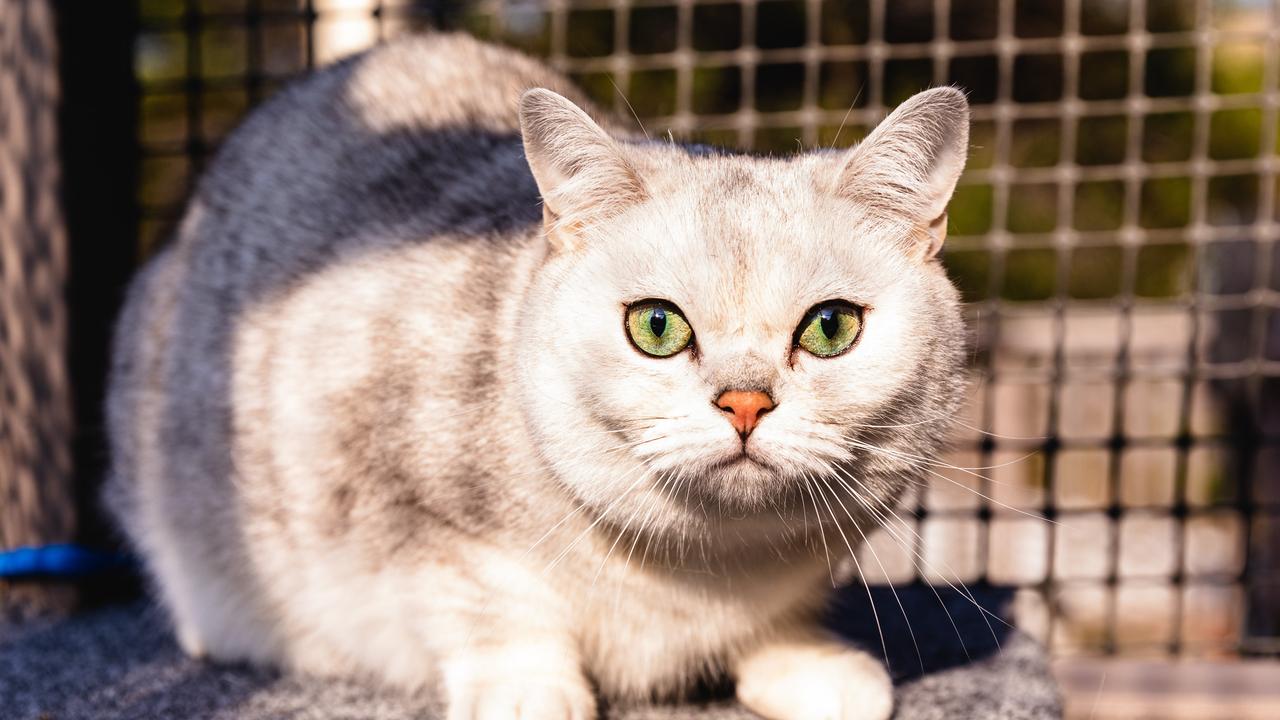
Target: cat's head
{"x": 711, "y": 330}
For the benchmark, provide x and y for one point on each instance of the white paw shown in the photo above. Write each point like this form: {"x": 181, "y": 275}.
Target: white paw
{"x": 517, "y": 698}
{"x": 815, "y": 682}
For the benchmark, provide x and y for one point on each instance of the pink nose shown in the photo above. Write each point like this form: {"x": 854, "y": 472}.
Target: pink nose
{"x": 744, "y": 409}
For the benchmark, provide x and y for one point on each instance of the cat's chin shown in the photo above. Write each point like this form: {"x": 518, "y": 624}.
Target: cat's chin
{"x": 744, "y": 472}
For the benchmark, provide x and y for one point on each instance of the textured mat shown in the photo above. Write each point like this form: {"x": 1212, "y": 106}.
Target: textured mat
{"x": 121, "y": 662}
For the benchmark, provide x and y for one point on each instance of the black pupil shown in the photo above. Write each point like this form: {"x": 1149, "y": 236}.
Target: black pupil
{"x": 830, "y": 321}
{"x": 658, "y": 322}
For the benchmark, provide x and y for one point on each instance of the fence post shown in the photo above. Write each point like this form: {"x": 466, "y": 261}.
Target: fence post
{"x": 36, "y": 487}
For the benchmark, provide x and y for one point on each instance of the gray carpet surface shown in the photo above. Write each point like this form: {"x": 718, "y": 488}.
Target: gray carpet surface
{"x": 121, "y": 662}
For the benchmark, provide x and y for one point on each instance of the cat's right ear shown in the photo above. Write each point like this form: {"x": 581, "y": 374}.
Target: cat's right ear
{"x": 583, "y": 174}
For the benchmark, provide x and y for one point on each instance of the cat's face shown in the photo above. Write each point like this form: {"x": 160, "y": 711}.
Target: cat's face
{"x": 811, "y": 298}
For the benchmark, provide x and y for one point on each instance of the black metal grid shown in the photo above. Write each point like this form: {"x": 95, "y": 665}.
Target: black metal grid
{"x": 1114, "y": 237}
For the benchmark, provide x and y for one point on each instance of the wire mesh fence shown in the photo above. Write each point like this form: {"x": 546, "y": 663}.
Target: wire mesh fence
{"x": 1114, "y": 237}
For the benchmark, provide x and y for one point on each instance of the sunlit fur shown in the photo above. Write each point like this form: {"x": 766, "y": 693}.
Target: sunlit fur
{"x": 374, "y": 411}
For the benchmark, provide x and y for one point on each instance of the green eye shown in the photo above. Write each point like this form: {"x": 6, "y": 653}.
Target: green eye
{"x": 658, "y": 329}
{"x": 830, "y": 329}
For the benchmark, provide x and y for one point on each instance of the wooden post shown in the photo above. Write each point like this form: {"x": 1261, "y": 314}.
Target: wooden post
{"x": 37, "y": 499}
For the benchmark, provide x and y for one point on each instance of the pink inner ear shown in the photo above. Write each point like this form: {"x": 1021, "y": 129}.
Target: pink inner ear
{"x": 936, "y": 233}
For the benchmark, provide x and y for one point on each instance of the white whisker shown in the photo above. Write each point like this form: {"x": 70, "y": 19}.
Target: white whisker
{"x": 884, "y": 646}
{"x": 920, "y": 466}
{"x": 662, "y": 479}
{"x": 886, "y": 517}
{"x": 643, "y": 473}
{"x": 901, "y": 608}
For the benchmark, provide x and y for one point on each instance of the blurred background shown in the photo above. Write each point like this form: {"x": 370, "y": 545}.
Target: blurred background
{"x": 1114, "y": 237}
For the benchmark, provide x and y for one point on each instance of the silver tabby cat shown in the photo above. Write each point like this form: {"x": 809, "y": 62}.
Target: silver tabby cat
{"x": 444, "y": 383}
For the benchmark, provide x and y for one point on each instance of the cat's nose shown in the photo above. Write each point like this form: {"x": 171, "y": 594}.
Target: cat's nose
{"x": 744, "y": 409}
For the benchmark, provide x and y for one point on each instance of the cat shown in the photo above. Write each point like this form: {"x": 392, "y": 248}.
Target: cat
{"x": 448, "y": 381}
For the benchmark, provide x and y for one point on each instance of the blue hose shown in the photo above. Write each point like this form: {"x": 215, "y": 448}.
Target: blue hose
{"x": 58, "y": 561}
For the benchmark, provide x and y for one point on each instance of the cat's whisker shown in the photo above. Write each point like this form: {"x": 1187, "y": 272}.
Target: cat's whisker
{"x": 804, "y": 510}
{"x": 643, "y": 474}
{"x": 947, "y": 417}
{"x": 845, "y": 119}
{"x": 649, "y": 540}
{"x": 633, "y": 110}
{"x": 886, "y": 518}
{"x": 661, "y": 481}
{"x": 968, "y": 595}
{"x": 579, "y": 507}
{"x": 826, "y": 551}
{"x": 875, "y": 613}
{"x": 963, "y": 589}
{"x": 601, "y": 445}
{"x": 583, "y": 460}
{"x": 1015, "y": 461}
{"x": 646, "y": 418}
{"x": 637, "y": 443}
{"x": 920, "y": 462}
{"x": 672, "y": 477}
{"x": 777, "y": 508}
{"x": 988, "y": 498}
{"x": 960, "y": 468}
{"x": 901, "y": 608}
{"x": 998, "y": 436}
{"x": 873, "y": 426}
{"x": 884, "y": 524}
{"x": 635, "y": 540}
{"x": 638, "y": 427}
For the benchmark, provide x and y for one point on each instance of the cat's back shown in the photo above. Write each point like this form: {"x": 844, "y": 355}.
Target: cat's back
{"x": 416, "y": 138}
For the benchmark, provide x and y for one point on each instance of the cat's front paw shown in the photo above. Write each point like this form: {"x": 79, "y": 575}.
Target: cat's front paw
{"x": 819, "y": 681}
{"x": 514, "y": 693}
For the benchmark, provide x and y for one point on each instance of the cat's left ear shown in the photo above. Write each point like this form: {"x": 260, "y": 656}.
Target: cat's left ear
{"x": 584, "y": 175}
{"x": 908, "y": 166}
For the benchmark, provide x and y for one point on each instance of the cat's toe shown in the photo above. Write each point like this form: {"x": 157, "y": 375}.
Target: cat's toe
{"x": 818, "y": 683}
{"x": 515, "y": 701}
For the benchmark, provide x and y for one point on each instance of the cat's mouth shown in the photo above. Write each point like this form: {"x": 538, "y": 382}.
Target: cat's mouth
{"x": 742, "y": 457}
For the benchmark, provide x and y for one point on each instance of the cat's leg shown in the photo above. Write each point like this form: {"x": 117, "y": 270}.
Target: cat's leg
{"x": 811, "y": 676}
{"x": 524, "y": 679}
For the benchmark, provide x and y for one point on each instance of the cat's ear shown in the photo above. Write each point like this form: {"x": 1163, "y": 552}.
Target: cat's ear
{"x": 584, "y": 176}
{"x": 908, "y": 166}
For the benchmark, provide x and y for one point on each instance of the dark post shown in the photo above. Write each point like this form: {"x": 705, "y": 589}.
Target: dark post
{"x": 98, "y": 132}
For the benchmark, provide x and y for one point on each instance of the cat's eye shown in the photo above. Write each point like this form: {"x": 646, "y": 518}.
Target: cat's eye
{"x": 658, "y": 328}
{"x": 829, "y": 329}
